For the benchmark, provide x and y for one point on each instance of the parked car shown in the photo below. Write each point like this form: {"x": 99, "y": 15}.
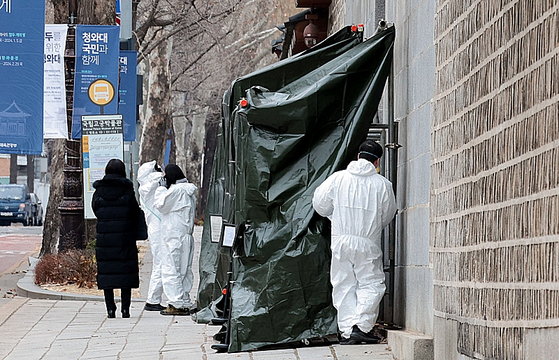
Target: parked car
{"x": 36, "y": 209}
{"x": 15, "y": 205}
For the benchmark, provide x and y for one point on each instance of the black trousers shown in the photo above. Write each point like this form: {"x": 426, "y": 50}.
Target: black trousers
{"x": 125, "y": 296}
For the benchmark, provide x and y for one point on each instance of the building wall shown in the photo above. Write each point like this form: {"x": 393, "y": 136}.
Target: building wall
{"x": 494, "y": 183}
{"x": 414, "y": 77}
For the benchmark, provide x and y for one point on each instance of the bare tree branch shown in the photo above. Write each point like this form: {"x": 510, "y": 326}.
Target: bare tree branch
{"x": 200, "y": 56}
{"x": 143, "y": 53}
{"x": 195, "y": 86}
{"x": 163, "y": 15}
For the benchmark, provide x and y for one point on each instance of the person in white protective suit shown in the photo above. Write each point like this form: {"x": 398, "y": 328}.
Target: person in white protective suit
{"x": 149, "y": 177}
{"x": 360, "y": 203}
{"x": 176, "y": 201}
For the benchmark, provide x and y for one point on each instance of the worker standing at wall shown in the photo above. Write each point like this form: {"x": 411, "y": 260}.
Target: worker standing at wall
{"x": 360, "y": 203}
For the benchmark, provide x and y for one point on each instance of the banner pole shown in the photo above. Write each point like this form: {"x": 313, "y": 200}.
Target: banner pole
{"x": 71, "y": 209}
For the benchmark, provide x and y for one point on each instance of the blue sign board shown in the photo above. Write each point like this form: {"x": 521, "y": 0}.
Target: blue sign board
{"x": 127, "y": 93}
{"x": 96, "y": 79}
{"x": 22, "y": 34}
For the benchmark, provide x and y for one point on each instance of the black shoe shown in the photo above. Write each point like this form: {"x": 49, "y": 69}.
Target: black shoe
{"x": 125, "y": 313}
{"x": 153, "y": 307}
{"x": 344, "y": 341}
{"x": 193, "y": 310}
{"x": 111, "y": 314}
{"x": 360, "y": 336}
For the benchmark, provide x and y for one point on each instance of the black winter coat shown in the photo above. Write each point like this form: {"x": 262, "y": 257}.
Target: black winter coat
{"x": 116, "y": 208}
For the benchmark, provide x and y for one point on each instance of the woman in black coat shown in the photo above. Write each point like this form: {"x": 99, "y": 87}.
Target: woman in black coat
{"x": 117, "y": 210}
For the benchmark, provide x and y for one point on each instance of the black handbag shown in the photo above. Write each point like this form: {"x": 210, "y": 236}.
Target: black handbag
{"x": 141, "y": 227}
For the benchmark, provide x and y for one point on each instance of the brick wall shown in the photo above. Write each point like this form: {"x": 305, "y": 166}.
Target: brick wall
{"x": 494, "y": 179}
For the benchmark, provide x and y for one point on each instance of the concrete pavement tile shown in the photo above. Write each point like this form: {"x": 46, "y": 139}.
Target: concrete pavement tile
{"x": 69, "y": 305}
{"x": 178, "y": 347}
{"x": 363, "y": 352}
{"x": 36, "y": 341}
{"x": 145, "y": 355}
{"x": 20, "y": 353}
{"x": 185, "y": 338}
{"x": 78, "y": 334}
{"x": 10, "y": 306}
{"x": 66, "y": 349}
{"x": 315, "y": 353}
{"x": 182, "y": 354}
{"x": 100, "y": 354}
{"x": 212, "y": 355}
{"x": 284, "y": 354}
{"x": 41, "y": 303}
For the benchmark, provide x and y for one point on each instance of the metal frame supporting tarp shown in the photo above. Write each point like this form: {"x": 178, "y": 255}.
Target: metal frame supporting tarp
{"x": 305, "y": 118}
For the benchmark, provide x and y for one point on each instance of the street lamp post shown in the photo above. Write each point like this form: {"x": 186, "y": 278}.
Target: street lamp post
{"x": 71, "y": 208}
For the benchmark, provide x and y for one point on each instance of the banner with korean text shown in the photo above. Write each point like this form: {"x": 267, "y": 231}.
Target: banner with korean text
{"x": 96, "y": 78}
{"x": 55, "y": 124}
{"x": 22, "y": 25}
{"x": 127, "y": 93}
{"x": 101, "y": 141}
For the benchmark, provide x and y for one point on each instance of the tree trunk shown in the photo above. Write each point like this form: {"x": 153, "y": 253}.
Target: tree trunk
{"x": 51, "y": 225}
{"x": 56, "y": 12}
{"x": 157, "y": 117}
{"x": 96, "y": 12}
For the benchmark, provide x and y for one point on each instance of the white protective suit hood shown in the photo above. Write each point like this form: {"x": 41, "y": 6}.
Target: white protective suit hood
{"x": 176, "y": 197}
{"x": 149, "y": 179}
{"x": 362, "y": 167}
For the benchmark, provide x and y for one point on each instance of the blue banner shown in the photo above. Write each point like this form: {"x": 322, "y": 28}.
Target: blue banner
{"x": 22, "y": 26}
{"x": 127, "y": 93}
{"x": 96, "y": 80}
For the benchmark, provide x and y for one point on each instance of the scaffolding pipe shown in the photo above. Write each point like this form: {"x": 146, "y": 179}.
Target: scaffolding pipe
{"x": 393, "y": 159}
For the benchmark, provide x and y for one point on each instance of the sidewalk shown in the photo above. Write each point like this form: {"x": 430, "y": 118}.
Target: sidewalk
{"x": 68, "y": 326}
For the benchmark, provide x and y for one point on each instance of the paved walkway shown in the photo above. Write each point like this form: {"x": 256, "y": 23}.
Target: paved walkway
{"x": 59, "y": 328}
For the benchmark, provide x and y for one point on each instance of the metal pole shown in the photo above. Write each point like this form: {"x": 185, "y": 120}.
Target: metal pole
{"x": 393, "y": 158}
{"x": 71, "y": 208}
{"x": 72, "y": 6}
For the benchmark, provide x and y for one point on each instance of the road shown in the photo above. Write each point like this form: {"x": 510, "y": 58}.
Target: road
{"x": 17, "y": 243}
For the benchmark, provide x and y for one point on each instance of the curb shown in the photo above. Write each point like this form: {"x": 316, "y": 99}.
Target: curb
{"x": 26, "y": 287}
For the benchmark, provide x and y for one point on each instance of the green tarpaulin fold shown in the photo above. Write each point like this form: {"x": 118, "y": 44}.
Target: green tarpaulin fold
{"x": 305, "y": 118}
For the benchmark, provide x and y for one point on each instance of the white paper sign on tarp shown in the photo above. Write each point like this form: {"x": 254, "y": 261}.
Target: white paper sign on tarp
{"x": 55, "y": 124}
{"x": 102, "y": 140}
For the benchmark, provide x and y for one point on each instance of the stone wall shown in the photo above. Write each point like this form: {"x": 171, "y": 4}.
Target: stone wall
{"x": 494, "y": 183}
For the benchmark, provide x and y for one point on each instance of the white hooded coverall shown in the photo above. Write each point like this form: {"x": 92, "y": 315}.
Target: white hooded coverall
{"x": 149, "y": 180}
{"x": 177, "y": 206}
{"x": 360, "y": 203}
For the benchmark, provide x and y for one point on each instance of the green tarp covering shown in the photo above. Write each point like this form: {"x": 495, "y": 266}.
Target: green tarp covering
{"x": 305, "y": 119}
